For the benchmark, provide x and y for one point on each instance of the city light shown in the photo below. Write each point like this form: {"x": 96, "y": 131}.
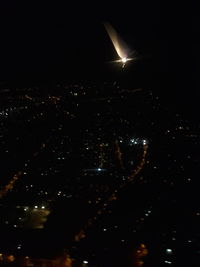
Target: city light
{"x": 134, "y": 141}
{"x": 144, "y": 142}
{"x": 168, "y": 262}
{"x": 101, "y": 181}
{"x": 169, "y": 251}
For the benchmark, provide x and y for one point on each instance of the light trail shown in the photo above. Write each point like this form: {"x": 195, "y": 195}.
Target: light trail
{"x": 119, "y": 154}
{"x": 10, "y": 185}
{"x": 140, "y": 165}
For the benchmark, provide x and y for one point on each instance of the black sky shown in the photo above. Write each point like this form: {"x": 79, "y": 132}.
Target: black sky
{"x": 44, "y": 41}
{"x": 55, "y": 38}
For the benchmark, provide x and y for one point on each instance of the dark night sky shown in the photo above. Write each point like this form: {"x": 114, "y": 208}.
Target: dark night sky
{"x": 62, "y": 41}
{"x": 40, "y": 39}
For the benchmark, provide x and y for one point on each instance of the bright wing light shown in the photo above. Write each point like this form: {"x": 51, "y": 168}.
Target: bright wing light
{"x": 124, "y": 59}
{"x": 120, "y": 46}
{"x": 117, "y": 42}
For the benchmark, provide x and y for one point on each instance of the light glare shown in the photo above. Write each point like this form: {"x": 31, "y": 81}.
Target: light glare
{"x": 124, "y": 59}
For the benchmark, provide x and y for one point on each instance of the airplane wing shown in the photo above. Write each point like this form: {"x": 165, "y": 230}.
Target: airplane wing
{"x": 119, "y": 45}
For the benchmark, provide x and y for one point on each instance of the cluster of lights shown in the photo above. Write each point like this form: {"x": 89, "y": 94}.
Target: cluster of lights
{"x": 6, "y": 258}
{"x": 113, "y": 197}
{"x": 148, "y": 213}
{"x": 16, "y": 176}
{"x": 136, "y": 141}
{"x": 36, "y": 207}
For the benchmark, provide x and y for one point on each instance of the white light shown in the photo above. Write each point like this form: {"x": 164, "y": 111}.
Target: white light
{"x": 43, "y": 207}
{"x": 169, "y": 251}
{"x": 168, "y": 262}
{"x": 124, "y": 59}
{"x": 85, "y": 262}
{"x": 134, "y": 141}
{"x": 35, "y": 207}
{"x": 144, "y": 142}
{"x": 99, "y": 169}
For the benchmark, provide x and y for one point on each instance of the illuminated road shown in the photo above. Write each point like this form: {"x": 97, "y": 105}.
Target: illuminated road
{"x": 114, "y": 194}
{"x": 19, "y": 174}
